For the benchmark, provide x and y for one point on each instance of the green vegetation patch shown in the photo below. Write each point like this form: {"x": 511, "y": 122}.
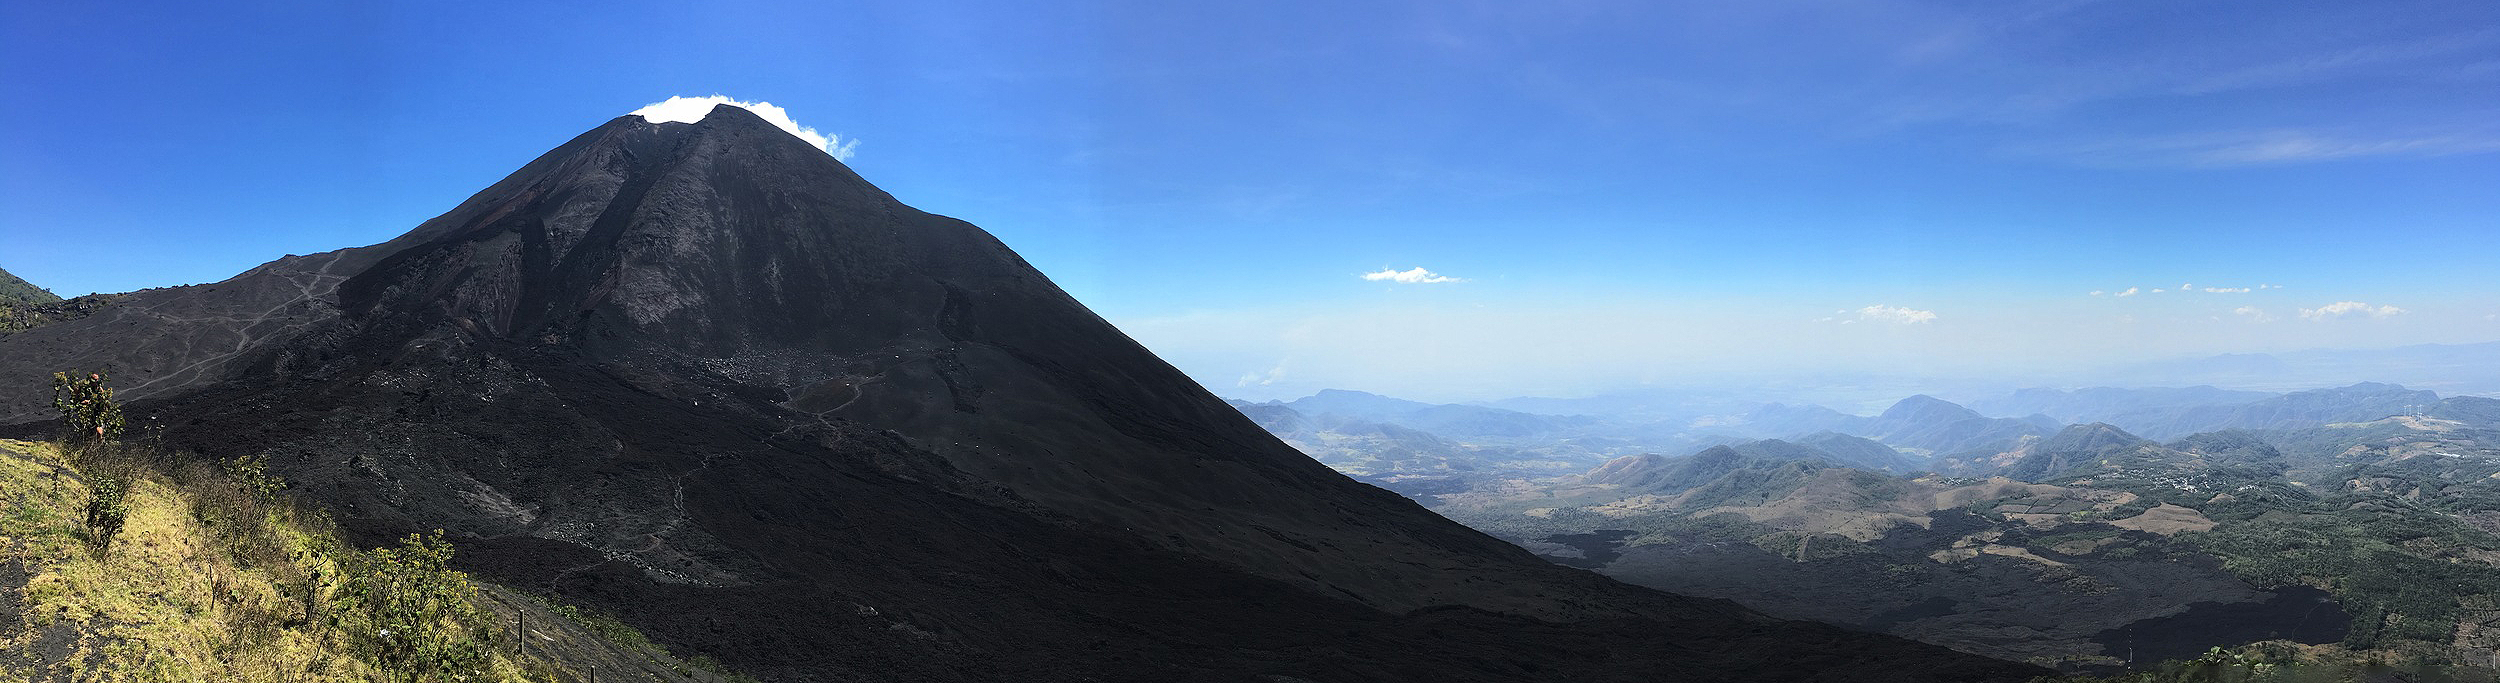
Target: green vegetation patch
{"x": 2284, "y": 662}
{"x": 19, "y": 316}
{"x": 17, "y": 290}
{"x": 2402, "y": 573}
{"x": 141, "y": 566}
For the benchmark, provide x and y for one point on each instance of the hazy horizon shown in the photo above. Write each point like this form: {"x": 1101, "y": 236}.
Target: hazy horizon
{"x": 1867, "y": 393}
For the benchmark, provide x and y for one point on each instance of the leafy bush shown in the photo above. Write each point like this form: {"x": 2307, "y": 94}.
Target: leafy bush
{"x": 89, "y": 415}
{"x": 410, "y": 614}
{"x": 92, "y": 422}
{"x": 108, "y": 506}
{"x": 251, "y": 474}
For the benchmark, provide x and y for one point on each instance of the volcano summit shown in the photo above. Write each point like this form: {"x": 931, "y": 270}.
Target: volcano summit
{"x": 703, "y": 376}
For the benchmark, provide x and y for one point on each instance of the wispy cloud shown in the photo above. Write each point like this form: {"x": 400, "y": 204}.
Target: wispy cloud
{"x": 2226, "y": 149}
{"x": 2329, "y": 64}
{"x": 2254, "y": 314}
{"x": 1896, "y": 315}
{"x": 2346, "y": 309}
{"x": 1415, "y": 276}
{"x": 2227, "y": 290}
{"x": 682, "y": 109}
{"x": 2130, "y": 291}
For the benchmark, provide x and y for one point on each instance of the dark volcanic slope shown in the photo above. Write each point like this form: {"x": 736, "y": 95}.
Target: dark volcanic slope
{"x": 705, "y": 376}
{"x": 167, "y": 341}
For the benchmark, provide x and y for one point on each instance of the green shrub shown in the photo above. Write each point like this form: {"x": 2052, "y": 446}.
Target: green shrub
{"x": 244, "y": 508}
{"x": 108, "y": 505}
{"x": 251, "y": 473}
{"x": 409, "y": 614}
{"x": 91, "y": 423}
{"x": 89, "y": 416}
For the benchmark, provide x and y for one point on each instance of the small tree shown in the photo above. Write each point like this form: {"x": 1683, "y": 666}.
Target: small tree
{"x": 91, "y": 422}
{"x": 89, "y": 416}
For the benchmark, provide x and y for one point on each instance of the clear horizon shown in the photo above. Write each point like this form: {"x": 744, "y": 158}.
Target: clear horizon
{"x": 1428, "y": 202}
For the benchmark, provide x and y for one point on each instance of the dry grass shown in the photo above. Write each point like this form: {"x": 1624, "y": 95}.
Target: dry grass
{"x": 204, "y": 583}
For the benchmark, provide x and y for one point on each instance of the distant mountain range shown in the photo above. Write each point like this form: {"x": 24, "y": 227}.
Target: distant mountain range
{"x": 2447, "y": 368}
{"x": 1921, "y": 423}
{"x": 2099, "y": 404}
{"x": 2172, "y": 413}
{"x": 1387, "y": 439}
{"x": 2357, "y": 522}
{"x": 1449, "y": 419}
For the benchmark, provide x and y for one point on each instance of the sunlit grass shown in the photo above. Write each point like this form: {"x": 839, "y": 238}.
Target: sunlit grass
{"x": 174, "y": 599}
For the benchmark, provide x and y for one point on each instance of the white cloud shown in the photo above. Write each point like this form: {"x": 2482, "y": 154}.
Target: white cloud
{"x": 1417, "y": 276}
{"x": 682, "y": 109}
{"x": 2132, "y": 291}
{"x": 2254, "y": 313}
{"x": 1262, "y": 379}
{"x": 2096, "y": 292}
{"x": 2343, "y": 309}
{"x": 1894, "y": 314}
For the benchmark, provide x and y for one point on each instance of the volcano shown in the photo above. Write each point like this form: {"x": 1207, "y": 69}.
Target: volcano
{"x": 704, "y": 377}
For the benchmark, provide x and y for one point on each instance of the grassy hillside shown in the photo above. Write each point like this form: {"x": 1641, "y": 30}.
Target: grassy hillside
{"x": 18, "y": 316}
{"x": 24, "y": 306}
{"x": 13, "y": 289}
{"x": 213, "y": 576}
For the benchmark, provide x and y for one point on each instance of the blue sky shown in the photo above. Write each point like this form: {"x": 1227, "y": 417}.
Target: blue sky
{"x": 1625, "y": 192}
